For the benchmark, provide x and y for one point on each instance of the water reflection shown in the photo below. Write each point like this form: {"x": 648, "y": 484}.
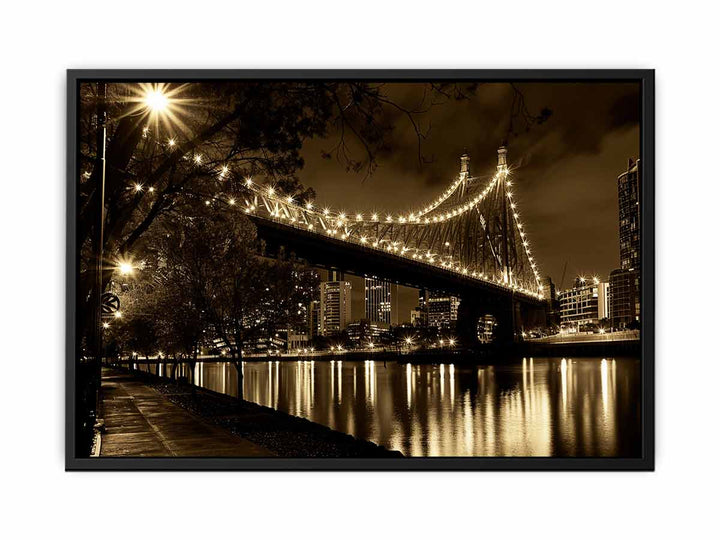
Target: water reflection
{"x": 539, "y": 407}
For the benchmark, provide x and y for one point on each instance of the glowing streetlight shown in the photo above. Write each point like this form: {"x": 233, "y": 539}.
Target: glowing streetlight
{"x": 125, "y": 268}
{"x": 155, "y": 99}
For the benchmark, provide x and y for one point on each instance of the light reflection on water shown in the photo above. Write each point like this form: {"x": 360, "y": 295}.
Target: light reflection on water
{"x": 538, "y": 407}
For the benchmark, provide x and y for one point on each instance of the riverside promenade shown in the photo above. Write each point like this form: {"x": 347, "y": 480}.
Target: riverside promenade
{"x": 142, "y": 422}
{"x": 150, "y": 416}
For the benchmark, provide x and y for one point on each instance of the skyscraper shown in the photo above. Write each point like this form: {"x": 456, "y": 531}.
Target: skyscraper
{"x": 625, "y": 282}
{"x": 629, "y": 206}
{"x": 381, "y": 301}
{"x": 334, "y": 306}
{"x": 622, "y": 297}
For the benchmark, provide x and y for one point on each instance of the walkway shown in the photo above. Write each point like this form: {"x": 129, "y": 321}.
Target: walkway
{"x": 141, "y": 422}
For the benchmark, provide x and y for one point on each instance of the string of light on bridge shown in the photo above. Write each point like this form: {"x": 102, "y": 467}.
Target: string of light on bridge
{"x": 285, "y": 209}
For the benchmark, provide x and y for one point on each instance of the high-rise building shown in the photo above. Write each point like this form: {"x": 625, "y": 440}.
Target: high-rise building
{"x": 442, "y": 310}
{"x": 624, "y": 300}
{"x": 629, "y": 206}
{"x": 625, "y": 282}
{"x": 334, "y": 306}
{"x": 381, "y": 301}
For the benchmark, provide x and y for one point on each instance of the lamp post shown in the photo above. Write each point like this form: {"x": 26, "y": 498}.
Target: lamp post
{"x": 155, "y": 101}
{"x": 89, "y": 371}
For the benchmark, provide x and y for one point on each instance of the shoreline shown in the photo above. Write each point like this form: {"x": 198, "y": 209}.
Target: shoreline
{"x": 487, "y": 356}
{"x": 282, "y": 434}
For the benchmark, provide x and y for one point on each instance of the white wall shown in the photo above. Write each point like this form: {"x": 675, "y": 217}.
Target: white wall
{"x": 40, "y": 41}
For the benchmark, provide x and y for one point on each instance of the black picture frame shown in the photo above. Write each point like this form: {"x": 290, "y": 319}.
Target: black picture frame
{"x": 646, "y": 78}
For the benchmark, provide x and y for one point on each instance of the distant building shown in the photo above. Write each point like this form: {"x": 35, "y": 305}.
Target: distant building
{"x": 486, "y": 328}
{"x": 442, "y": 310}
{"x": 624, "y": 299}
{"x": 603, "y": 300}
{"x": 579, "y": 305}
{"x": 298, "y": 341}
{"x": 334, "y": 306}
{"x": 418, "y": 317}
{"x": 314, "y": 319}
{"x": 381, "y": 301}
{"x": 363, "y": 332}
{"x": 547, "y": 289}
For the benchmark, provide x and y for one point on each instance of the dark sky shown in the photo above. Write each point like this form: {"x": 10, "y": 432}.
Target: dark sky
{"x": 565, "y": 169}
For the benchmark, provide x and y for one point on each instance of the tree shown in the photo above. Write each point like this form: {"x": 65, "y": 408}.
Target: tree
{"x": 290, "y": 287}
{"x": 205, "y": 283}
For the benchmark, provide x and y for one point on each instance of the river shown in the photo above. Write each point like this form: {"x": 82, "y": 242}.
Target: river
{"x": 535, "y": 407}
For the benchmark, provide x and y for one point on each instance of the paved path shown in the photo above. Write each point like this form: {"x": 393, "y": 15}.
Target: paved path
{"x": 141, "y": 422}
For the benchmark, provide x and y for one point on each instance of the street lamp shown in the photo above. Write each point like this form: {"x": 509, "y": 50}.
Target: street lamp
{"x": 125, "y": 268}
{"x": 154, "y": 102}
{"x": 155, "y": 99}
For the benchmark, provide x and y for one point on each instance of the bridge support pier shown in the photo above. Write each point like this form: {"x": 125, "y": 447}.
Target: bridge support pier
{"x": 472, "y": 308}
{"x": 512, "y": 317}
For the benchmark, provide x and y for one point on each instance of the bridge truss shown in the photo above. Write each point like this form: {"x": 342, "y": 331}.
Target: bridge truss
{"x": 473, "y": 228}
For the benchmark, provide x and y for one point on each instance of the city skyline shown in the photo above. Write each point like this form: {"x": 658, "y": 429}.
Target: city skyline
{"x": 627, "y": 249}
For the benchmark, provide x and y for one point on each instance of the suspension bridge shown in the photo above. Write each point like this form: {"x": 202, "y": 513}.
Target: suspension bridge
{"x": 469, "y": 242}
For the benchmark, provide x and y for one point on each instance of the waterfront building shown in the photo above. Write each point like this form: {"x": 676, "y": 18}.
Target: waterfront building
{"x": 334, "y": 306}
{"x": 442, "y": 310}
{"x": 298, "y": 341}
{"x": 381, "y": 301}
{"x": 603, "y": 300}
{"x": 363, "y": 332}
{"x": 624, "y": 298}
{"x": 629, "y": 213}
{"x": 547, "y": 289}
{"x": 486, "y": 328}
{"x": 314, "y": 319}
{"x": 625, "y": 287}
{"x": 579, "y": 305}
{"x": 418, "y": 317}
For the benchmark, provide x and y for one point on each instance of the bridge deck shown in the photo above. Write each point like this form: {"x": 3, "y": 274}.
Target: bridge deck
{"x": 140, "y": 422}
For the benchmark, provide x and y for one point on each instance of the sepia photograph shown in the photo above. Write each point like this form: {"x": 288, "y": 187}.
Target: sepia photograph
{"x": 359, "y": 270}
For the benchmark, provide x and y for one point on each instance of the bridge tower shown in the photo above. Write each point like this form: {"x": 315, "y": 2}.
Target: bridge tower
{"x": 502, "y": 170}
{"x": 464, "y": 174}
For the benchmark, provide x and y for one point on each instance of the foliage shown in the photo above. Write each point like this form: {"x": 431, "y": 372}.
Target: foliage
{"x": 203, "y": 283}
